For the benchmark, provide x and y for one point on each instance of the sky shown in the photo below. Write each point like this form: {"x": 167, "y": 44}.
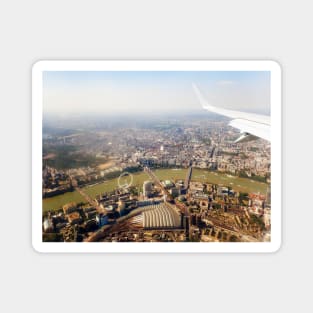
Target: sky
{"x": 153, "y": 92}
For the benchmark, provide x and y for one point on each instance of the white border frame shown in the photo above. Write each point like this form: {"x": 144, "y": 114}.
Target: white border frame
{"x": 189, "y": 247}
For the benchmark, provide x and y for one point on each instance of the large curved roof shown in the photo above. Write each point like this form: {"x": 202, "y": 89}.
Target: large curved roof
{"x": 160, "y": 216}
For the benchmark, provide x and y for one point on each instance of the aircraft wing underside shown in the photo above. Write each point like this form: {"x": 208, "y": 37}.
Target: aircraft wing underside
{"x": 252, "y": 126}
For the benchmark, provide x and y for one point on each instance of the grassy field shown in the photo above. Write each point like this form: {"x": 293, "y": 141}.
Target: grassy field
{"x": 172, "y": 174}
{"x": 236, "y": 183}
{"x": 205, "y": 176}
{"x": 111, "y": 184}
{"x": 57, "y": 202}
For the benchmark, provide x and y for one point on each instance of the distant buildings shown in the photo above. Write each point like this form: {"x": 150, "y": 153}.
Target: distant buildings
{"x": 206, "y": 212}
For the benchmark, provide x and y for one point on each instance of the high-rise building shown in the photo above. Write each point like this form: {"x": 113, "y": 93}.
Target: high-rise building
{"x": 147, "y": 189}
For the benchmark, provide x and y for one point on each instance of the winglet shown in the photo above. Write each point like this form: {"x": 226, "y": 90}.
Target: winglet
{"x": 200, "y": 96}
{"x": 251, "y": 125}
{"x": 205, "y": 104}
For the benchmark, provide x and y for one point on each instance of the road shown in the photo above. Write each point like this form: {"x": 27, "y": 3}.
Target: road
{"x": 157, "y": 182}
{"x": 91, "y": 201}
{"x": 188, "y": 177}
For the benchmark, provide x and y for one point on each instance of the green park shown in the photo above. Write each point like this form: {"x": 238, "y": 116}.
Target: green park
{"x": 202, "y": 175}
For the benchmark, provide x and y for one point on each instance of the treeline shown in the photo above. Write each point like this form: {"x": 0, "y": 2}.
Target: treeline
{"x": 68, "y": 157}
{"x": 261, "y": 179}
{"x": 130, "y": 169}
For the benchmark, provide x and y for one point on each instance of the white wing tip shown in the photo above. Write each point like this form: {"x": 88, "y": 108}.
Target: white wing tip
{"x": 200, "y": 96}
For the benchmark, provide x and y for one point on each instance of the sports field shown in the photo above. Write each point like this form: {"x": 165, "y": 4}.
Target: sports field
{"x": 205, "y": 176}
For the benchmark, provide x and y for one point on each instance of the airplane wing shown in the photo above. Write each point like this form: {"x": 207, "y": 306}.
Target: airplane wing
{"x": 252, "y": 126}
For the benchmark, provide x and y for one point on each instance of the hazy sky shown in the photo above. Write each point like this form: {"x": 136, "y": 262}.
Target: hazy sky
{"x": 152, "y": 92}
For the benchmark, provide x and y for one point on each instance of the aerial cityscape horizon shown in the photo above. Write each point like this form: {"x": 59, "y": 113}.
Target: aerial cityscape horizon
{"x": 134, "y": 157}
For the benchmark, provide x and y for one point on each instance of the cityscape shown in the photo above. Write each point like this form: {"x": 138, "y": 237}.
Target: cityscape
{"x": 176, "y": 176}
